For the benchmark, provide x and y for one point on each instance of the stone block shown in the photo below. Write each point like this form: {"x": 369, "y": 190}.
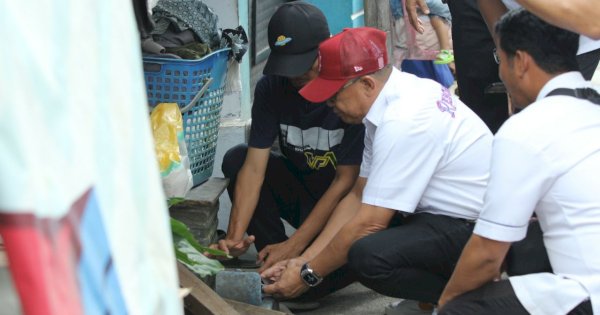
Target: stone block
{"x": 199, "y": 210}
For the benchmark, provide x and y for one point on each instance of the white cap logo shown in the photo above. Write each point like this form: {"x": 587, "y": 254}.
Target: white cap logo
{"x": 358, "y": 68}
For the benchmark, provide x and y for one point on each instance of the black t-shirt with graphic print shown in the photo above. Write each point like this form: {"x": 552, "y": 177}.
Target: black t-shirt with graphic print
{"x": 311, "y": 135}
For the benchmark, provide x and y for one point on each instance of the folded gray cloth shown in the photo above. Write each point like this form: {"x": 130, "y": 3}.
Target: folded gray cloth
{"x": 170, "y": 38}
{"x": 150, "y": 46}
{"x": 180, "y": 15}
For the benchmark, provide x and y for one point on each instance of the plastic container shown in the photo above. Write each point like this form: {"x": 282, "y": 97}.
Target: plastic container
{"x": 178, "y": 81}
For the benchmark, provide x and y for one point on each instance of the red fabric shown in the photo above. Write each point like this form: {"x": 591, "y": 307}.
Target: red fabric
{"x": 352, "y": 53}
{"x": 43, "y": 257}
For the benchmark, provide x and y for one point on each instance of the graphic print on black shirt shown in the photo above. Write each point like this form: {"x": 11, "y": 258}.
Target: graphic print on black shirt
{"x": 315, "y": 143}
{"x": 311, "y": 135}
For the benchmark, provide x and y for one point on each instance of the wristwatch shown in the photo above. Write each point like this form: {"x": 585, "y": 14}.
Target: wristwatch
{"x": 309, "y": 276}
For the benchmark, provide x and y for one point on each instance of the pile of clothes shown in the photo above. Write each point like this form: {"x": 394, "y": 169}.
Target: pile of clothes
{"x": 187, "y": 29}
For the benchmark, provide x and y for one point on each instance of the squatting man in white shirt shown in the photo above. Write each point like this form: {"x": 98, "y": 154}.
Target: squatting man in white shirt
{"x": 422, "y": 179}
{"x": 546, "y": 160}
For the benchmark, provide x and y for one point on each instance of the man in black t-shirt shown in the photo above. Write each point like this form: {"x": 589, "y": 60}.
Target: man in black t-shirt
{"x": 320, "y": 156}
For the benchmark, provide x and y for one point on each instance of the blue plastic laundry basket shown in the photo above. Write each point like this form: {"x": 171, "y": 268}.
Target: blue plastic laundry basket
{"x": 178, "y": 81}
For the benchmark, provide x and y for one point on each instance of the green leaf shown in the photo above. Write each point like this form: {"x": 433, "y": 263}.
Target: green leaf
{"x": 194, "y": 260}
{"x": 183, "y": 257}
{"x": 181, "y": 230}
{"x": 175, "y": 200}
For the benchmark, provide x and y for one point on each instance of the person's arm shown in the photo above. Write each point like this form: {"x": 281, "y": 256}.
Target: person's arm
{"x": 343, "y": 213}
{"x": 491, "y": 11}
{"x": 247, "y": 190}
{"x": 368, "y": 220}
{"x": 413, "y": 15}
{"x": 342, "y": 183}
{"x": 519, "y": 177}
{"x": 408, "y": 175}
{"x": 579, "y": 16}
{"x": 479, "y": 264}
{"x": 250, "y": 177}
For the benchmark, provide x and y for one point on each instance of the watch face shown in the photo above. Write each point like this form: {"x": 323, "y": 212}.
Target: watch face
{"x": 310, "y": 278}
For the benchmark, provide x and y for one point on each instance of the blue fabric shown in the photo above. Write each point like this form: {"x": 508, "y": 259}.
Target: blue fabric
{"x": 428, "y": 70}
{"x": 436, "y": 7}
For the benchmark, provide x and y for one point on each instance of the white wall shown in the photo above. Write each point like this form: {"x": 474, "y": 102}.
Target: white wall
{"x": 227, "y": 10}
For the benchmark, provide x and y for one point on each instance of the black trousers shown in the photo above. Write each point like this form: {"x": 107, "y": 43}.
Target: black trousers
{"x": 528, "y": 255}
{"x": 286, "y": 194}
{"x": 496, "y": 298}
{"x": 476, "y": 68}
{"x": 524, "y": 257}
{"x": 412, "y": 259}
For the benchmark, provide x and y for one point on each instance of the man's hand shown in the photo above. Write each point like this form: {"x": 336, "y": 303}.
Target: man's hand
{"x": 274, "y": 273}
{"x": 413, "y": 16}
{"x": 274, "y": 253}
{"x": 289, "y": 285}
{"x": 234, "y": 248}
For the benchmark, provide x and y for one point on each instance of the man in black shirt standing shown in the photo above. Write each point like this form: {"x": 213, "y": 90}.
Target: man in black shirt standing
{"x": 476, "y": 69}
{"x": 320, "y": 156}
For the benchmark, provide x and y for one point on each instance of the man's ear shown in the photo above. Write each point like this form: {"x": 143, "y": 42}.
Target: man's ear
{"x": 368, "y": 83}
{"x": 521, "y": 63}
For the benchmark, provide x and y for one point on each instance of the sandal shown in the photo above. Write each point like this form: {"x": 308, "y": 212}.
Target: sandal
{"x": 444, "y": 57}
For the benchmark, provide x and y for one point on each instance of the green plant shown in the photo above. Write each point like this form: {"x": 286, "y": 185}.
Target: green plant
{"x": 191, "y": 253}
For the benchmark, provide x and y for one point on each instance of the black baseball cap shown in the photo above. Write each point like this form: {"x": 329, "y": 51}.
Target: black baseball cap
{"x": 295, "y": 32}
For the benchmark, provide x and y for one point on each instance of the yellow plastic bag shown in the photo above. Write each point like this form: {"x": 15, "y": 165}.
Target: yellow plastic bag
{"x": 171, "y": 152}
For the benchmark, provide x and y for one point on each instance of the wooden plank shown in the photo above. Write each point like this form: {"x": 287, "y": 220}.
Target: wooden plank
{"x": 209, "y": 192}
{"x": 248, "y": 309}
{"x": 202, "y": 300}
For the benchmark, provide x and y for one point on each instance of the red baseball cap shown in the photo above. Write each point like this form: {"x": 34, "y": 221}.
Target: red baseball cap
{"x": 352, "y": 53}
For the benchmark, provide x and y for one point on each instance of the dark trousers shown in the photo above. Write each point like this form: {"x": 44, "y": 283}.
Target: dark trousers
{"x": 412, "y": 259}
{"x": 528, "y": 255}
{"x": 524, "y": 257}
{"x": 476, "y": 68}
{"x": 496, "y": 298}
{"x": 588, "y": 63}
{"x": 286, "y": 194}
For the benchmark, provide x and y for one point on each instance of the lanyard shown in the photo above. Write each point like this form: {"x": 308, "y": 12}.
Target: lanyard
{"x": 583, "y": 93}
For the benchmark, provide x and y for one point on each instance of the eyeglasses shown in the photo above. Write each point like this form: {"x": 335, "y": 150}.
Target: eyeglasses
{"x": 496, "y": 58}
{"x": 331, "y": 101}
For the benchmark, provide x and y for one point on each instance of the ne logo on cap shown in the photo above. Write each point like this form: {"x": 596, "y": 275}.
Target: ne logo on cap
{"x": 282, "y": 40}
